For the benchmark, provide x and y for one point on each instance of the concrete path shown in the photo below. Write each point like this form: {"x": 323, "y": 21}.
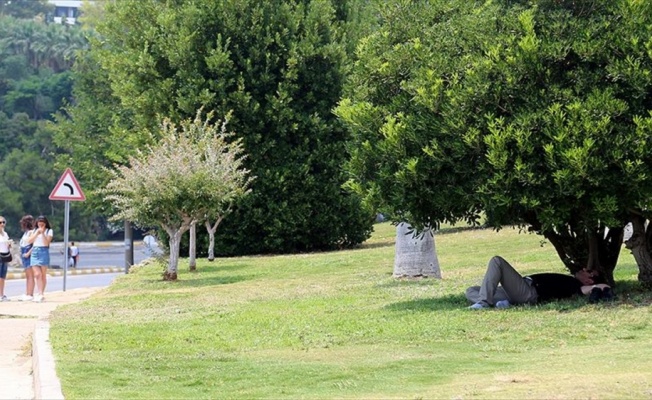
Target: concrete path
{"x": 26, "y": 361}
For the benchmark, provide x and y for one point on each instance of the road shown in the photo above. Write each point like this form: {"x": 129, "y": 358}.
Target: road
{"x": 16, "y": 287}
{"x": 108, "y": 254}
{"x": 90, "y": 256}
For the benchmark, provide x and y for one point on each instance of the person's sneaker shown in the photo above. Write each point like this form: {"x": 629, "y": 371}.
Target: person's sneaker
{"x": 595, "y": 295}
{"x": 607, "y": 294}
{"x": 478, "y": 306}
{"x": 503, "y": 304}
{"x": 38, "y": 298}
{"x": 4, "y": 298}
{"x": 26, "y": 297}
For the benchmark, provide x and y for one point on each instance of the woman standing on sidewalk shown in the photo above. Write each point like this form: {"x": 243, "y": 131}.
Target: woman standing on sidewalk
{"x": 27, "y": 224}
{"x": 5, "y": 247}
{"x": 40, "y": 258}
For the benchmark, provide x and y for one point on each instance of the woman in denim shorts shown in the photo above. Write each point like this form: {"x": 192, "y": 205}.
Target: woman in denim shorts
{"x": 40, "y": 237}
{"x": 27, "y": 224}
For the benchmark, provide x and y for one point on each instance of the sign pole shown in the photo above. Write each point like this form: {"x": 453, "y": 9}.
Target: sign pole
{"x": 66, "y": 224}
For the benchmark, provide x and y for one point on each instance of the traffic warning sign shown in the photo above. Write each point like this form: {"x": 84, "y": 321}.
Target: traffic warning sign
{"x": 67, "y": 188}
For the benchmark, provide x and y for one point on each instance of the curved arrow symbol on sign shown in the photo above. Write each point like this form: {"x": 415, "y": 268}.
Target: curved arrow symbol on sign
{"x": 69, "y": 186}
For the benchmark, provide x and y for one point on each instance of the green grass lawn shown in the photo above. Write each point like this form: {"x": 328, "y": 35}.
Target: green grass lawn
{"x": 337, "y": 325}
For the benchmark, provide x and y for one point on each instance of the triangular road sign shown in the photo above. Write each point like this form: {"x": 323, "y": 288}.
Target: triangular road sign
{"x": 67, "y": 188}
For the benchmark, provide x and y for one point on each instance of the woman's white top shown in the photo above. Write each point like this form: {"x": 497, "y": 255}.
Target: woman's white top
{"x": 4, "y": 242}
{"x": 40, "y": 239}
{"x": 23, "y": 240}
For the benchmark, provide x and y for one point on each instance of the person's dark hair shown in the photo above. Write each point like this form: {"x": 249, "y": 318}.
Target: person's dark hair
{"x": 41, "y": 218}
{"x": 27, "y": 222}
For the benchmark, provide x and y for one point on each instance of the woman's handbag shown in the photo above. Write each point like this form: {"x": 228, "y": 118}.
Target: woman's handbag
{"x": 5, "y": 257}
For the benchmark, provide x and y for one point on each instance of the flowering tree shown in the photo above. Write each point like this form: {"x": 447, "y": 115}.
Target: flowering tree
{"x": 179, "y": 180}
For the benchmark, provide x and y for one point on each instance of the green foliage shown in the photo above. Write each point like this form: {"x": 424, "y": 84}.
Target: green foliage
{"x": 536, "y": 113}
{"x": 572, "y": 124}
{"x": 190, "y": 170}
{"x": 415, "y": 149}
{"x": 25, "y": 9}
{"x": 93, "y": 133}
{"x": 50, "y": 46}
{"x": 34, "y": 83}
{"x": 34, "y": 67}
{"x": 26, "y": 173}
{"x": 39, "y": 96}
{"x": 278, "y": 67}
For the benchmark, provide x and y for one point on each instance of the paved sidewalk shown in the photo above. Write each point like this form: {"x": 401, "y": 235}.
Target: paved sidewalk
{"x": 26, "y": 362}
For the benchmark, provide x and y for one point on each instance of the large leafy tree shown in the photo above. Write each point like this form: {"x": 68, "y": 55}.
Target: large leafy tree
{"x": 537, "y": 113}
{"x": 44, "y": 46}
{"x": 34, "y": 82}
{"x": 25, "y": 9}
{"x": 278, "y": 67}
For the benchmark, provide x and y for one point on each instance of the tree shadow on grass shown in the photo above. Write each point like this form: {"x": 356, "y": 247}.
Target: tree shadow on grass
{"x": 449, "y": 302}
{"x": 184, "y": 282}
{"x": 199, "y": 278}
{"x": 205, "y": 276}
{"x": 212, "y": 281}
{"x": 631, "y": 294}
{"x": 628, "y": 293}
{"x": 219, "y": 268}
{"x": 374, "y": 245}
{"x": 407, "y": 281}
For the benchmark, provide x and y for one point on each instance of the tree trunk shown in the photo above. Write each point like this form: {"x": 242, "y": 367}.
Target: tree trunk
{"x": 571, "y": 248}
{"x": 170, "y": 273}
{"x": 192, "y": 247}
{"x": 610, "y": 243}
{"x": 640, "y": 245}
{"x": 211, "y": 237}
{"x": 129, "y": 246}
{"x": 415, "y": 256}
{"x": 597, "y": 249}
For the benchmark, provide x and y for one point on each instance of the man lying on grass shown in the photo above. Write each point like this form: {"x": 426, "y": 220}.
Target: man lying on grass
{"x": 517, "y": 289}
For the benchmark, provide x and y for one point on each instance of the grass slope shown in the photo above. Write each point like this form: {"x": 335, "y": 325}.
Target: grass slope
{"x": 337, "y": 325}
